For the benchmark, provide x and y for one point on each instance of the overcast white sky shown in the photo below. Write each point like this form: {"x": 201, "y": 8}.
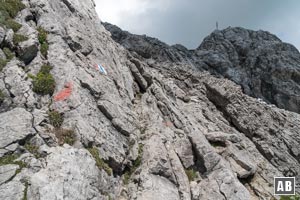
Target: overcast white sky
{"x": 187, "y": 22}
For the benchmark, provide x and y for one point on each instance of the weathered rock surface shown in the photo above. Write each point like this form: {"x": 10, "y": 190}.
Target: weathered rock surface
{"x": 12, "y": 190}
{"x": 70, "y": 174}
{"x": 7, "y": 172}
{"x": 163, "y": 123}
{"x": 15, "y": 125}
{"x": 265, "y": 67}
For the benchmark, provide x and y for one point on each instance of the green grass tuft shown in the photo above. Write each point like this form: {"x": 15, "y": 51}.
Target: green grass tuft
{"x": 10, "y": 159}
{"x": 34, "y": 150}
{"x": 44, "y": 49}
{"x": 8, "y": 53}
{"x": 43, "y": 41}
{"x": 46, "y": 69}
{"x": 42, "y": 35}
{"x": 291, "y": 197}
{"x": 56, "y": 119}
{"x": 12, "y": 24}
{"x": 136, "y": 164}
{"x": 11, "y": 7}
{"x": 18, "y": 38}
{"x": 43, "y": 82}
{"x": 25, "y": 191}
{"x": 99, "y": 162}
{"x": 191, "y": 174}
{"x": 2, "y": 97}
{"x": 65, "y": 136}
{"x": 2, "y": 64}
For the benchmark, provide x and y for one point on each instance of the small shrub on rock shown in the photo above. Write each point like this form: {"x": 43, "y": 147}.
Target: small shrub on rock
{"x": 8, "y": 53}
{"x": 191, "y": 174}
{"x": 43, "y": 82}
{"x": 12, "y": 24}
{"x": 43, "y": 41}
{"x": 44, "y": 49}
{"x": 42, "y": 35}
{"x": 46, "y": 69}
{"x": 18, "y": 38}
{"x": 2, "y": 64}
{"x": 12, "y": 7}
{"x": 56, "y": 119}
{"x": 65, "y": 136}
{"x": 135, "y": 165}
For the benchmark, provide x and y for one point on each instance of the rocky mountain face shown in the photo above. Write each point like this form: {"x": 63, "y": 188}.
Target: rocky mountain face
{"x": 265, "y": 67}
{"x": 162, "y": 122}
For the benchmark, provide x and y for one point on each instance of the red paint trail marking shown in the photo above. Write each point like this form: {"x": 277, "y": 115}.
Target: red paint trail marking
{"x": 64, "y": 93}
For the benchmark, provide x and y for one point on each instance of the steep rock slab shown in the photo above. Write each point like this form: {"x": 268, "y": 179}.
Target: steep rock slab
{"x": 15, "y": 125}
{"x": 13, "y": 190}
{"x": 260, "y": 62}
{"x": 69, "y": 174}
{"x": 274, "y": 132}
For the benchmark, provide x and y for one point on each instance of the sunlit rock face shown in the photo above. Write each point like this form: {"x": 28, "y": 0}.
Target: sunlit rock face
{"x": 129, "y": 117}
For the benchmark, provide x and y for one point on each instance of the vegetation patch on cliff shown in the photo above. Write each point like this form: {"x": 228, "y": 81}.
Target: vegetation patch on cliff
{"x": 65, "y": 136}
{"x": 33, "y": 149}
{"x": 56, "y": 119}
{"x": 8, "y": 11}
{"x": 290, "y": 197}
{"x": 10, "y": 8}
{"x": 11, "y": 159}
{"x": 2, "y": 64}
{"x": 8, "y": 53}
{"x": 43, "y": 82}
{"x": 135, "y": 165}
{"x": 2, "y": 96}
{"x": 99, "y": 162}
{"x": 44, "y": 46}
{"x": 191, "y": 174}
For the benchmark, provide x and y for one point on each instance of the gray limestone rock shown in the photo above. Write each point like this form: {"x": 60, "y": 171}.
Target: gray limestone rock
{"x": 15, "y": 125}
{"x": 13, "y": 190}
{"x": 165, "y": 122}
{"x": 28, "y": 49}
{"x": 77, "y": 178}
{"x": 7, "y": 172}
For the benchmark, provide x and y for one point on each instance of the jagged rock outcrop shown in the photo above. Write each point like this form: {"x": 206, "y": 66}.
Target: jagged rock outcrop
{"x": 264, "y": 66}
{"x": 163, "y": 123}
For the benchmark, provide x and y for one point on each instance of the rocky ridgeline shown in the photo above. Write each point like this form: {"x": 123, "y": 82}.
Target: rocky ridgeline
{"x": 163, "y": 123}
{"x": 265, "y": 67}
